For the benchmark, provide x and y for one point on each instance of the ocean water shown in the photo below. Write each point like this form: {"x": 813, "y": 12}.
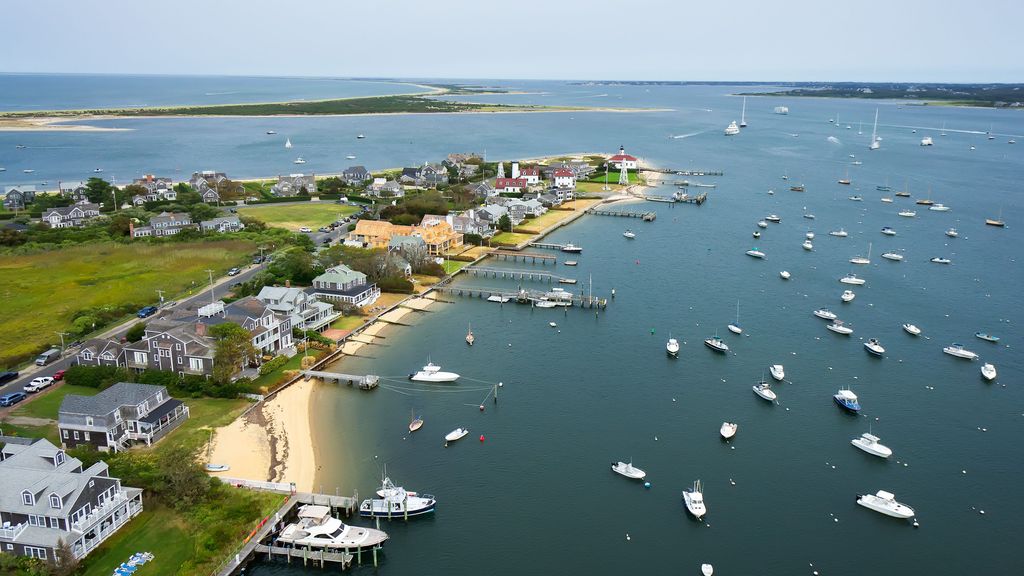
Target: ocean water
{"x": 537, "y": 494}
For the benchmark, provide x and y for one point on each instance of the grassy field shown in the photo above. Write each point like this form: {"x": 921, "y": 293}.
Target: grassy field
{"x": 47, "y": 403}
{"x": 295, "y": 216}
{"x": 509, "y": 239}
{"x": 613, "y": 177}
{"x": 348, "y": 322}
{"x": 451, "y": 266}
{"x": 42, "y": 292}
{"x": 159, "y": 530}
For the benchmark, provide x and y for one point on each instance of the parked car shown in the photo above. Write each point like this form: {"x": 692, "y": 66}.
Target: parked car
{"x": 305, "y": 229}
{"x": 59, "y": 375}
{"x": 48, "y": 356}
{"x": 12, "y": 398}
{"x": 257, "y": 260}
{"x": 325, "y": 229}
{"x": 147, "y": 312}
{"x": 38, "y": 384}
{"x": 6, "y": 377}
{"x": 233, "y": 272}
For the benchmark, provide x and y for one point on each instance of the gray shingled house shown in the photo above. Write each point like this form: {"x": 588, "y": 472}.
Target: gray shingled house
{"x": 118, "y": 416}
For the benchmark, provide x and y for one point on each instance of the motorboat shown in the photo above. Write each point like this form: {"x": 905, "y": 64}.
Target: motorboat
{"x": 28, "y": 170}
{"x": 457, "y": 434}
{"x": 988, "y": 371}
{"x": 888, "y": 231}
{"x": 783, "y": 110}
{"x": 895, "y": 256}
{"x": 755, "y": 253}
{"x": 764, "y": 390}
{"x": 708, "y": 569}
{"x": 553, "y": 324}
{"x": 926, "y": 141}
{"x": 887, "y": 199}
{"x": 316, "y": 528}
{"x": 907, "y": 213}
{"x": 939, "y": 208}
{"x": 911, "y": 329}
{"x": 360, "y": 137}
{"x": 847, "y": 400}
{"x": 544, "y": 303}
{"x": 777, "y": 372}
{"x": 757, "y": 234}
{"x": 809, "y": 235}
{"x": 672, "y": 347}
{"x": 350, "y": 157}
{"x": 952, "y": 233}
{"x": 809, "y": 216}
{"x": 271, "y": 131}
{"x": 762, "y": 224}
{"x": 694, "y": 499}
{"x": 97, "y": 170}
{"x": 856, "y": 198}
{"x": 773, "y": 218}
{"x": 396, "y": 502}
{"x": 870, "y": 444}
{"x": 852, "y": 279}
{"x": 874, "y": 347}
{"x": 497, "y": 298}
{"x": 839, "y": 327}
{"x": 784, "y": 275}
{"x": 825, "y": 314}
{"x": 848, "y": 296}
{"x": 986, "y": 337}
{"x": 572, "y": 248}
{"x": 940, "y": 260}
{"x": 732, "y": 129}
{"x": 797, "y": 188}
{"x": 432, "y": 373}
{"x": 570, "y": 262}
{"x": 629, "y": 234}
{"x": 728, "y": 429}
{"x": 716, "y": 344}
{"x": 885, "y": 502}
{"x": 959, "y": 351}
{"x": 628, "y": 470}
{"x": 807, "y": 245}
{"x": 299, "y": 160}
{"x": 841, "y": 233}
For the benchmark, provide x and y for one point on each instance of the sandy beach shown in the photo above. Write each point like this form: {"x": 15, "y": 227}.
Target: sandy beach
{"x": 50, "y": 124}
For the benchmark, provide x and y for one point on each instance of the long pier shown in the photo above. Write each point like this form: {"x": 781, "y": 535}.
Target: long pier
{"x": 524, "y": 256}
{"x": 548, "y": 245}
{"x": 530, "y": 297}
{"x": 686, "y": 171}
{"x": 645, "y": 216}
{"x": 364, "y": 382}
{"x": 517, "y": 274}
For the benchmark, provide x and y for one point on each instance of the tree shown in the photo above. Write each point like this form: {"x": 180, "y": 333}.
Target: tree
{"x": 201, "y": 211}
{"x": 132, "y": 190}
{"x": 190, "y": 198}
{"x": 97, "y": 190}
{"x": 233, "y": 347}
{"x": 505, "y": 223}
{"x": 294, "y": 264}
{"x": 63, "y": 562}
{"x": 136, "y": 332}
{"x": 182, "y": 483}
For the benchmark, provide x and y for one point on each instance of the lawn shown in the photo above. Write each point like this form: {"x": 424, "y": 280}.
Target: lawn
{"x": 267, "y": 381}
{"x": 510, "y": 239}
{"x": 159, "y": 530}
{"x": 295, "y": 216}
{"x": 549, "y": 218}
{"x": 348, "y": 322}
{"x": 452, "y": 266}
{"x": 203, "y": 415}
{"x": 43, "y": 291}
{"x": 613, "y": 177}
{"x": 47, "y": 403}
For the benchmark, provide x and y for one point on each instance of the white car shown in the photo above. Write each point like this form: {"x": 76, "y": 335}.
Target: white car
{"x": 305, "y": 229}
{"x": 38, "y": 384}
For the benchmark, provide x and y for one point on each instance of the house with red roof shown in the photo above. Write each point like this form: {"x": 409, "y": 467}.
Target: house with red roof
{"x": 563, "y": 178}
{"x": 623, "y": 160}
{"x": 532, "y": 175}
{"x": 510, "y": 185}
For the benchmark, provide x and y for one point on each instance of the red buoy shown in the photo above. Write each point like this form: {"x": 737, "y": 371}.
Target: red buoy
{"x": 481, "y": 437}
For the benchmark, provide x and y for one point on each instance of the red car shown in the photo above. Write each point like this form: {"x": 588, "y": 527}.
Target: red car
{"x": 58, "y": 375}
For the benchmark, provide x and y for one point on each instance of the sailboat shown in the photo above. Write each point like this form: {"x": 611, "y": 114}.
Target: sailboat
{"x": 874, "y": 134}
{"x": 743, "y": 114}
{"x": 287, "y": 142}
{"x": 991, "y": 136}
{"x": 943, "y": 133}
{"x": 861, "y": 259}
{"x": 414, "y": 423}
{"x": 469, "y": 336}
{"x": 998, "y": 221}
{"x": 845, "y": 179}
{"x": 735, "y": 327}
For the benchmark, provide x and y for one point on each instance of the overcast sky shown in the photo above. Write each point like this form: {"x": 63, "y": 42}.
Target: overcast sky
{"x": 865, "y": 40}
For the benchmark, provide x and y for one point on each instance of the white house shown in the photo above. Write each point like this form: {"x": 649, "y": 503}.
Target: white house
{"x": 564, "y": 178}
{"x": 510, "y": 185}
{"x": 623, "y": 160}
{"x": 531, "y": 175}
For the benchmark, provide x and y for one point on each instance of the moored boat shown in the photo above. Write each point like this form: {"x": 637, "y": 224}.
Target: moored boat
{"x": 940, "y": 260}
{"x": 457, "y": 434}
{"x": 432, "y": 373}
{"x": 870, "y": 444}
{"x": 825, "y": 314}
{"x": 716, "y": 344}
{"x": 885, "y": 502}
{"x": 784, "y": 275}
{"x": 852, "y": 279}
{"x": 572, "y": 248}
{"x": 986, "y": 337}
{"x": 728, "y": 429}
{"x": 777, "y": 371}
{"x": 316, "y": 528}
{"x": 911, "y": 329}
{"x": 754, "y": 252}
{"x": 395, "y": 502}
{"x": 773, "y": 218}
{"x": 888, "y": 231}
{"x": 959, "y": 351}
{"x": 839, "y": 327}
{"x": 907, "y": 213}
{"x": 952, "y": 233}
{"x": 988, "y": 371}
{"x": 807, "y": 245}
{"x": 841, "y": 233}
{"x": 672, "y": 347}
{"x": 847, "y": 400}
{"x": 694, "y": 500}
{"x": 874, "y": 347}
{"x": 628, "y": 470}
{"x": 764, "y": 390}
{"x": 894, "y": 256}
{"x": 848, "y": 296}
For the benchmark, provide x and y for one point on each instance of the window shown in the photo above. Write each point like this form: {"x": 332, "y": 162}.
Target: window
{"x": 55, "y": 501}
{"x": 165, "y": 352}
{"x": 10, "y": 546}
{"x": 159, "y": 397}
{"x": 76, "y": 434}
{"x": 27, "y": 498}
{"x": 65, "y": 434}
{"x": 117, "y": 416}
{"x": 33, "y": 552}
{"x": 177, "y": 346}
{"x": 88, "y": 420}
{"x": 87, "y": 354}
{"x": 54, "y": 522}
{"x": 195, "y": 364}
{"x": 140, "y": 357}
{"x": 86, "y": 436}
{"x": 59, "y": 458}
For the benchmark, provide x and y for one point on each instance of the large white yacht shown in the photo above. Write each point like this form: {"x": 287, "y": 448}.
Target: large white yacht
{"x": 885, "y": 502}
{"x": 960, "y": 352}
{"x": 852, "y": 279}
{"x": 432, "y": 373}
{"x": 838, "y": 327}
{"x": 395, "y": 502}
{"x": 732, "y": 129}
{"x": 869, "y": 443}
{"x": 316, "y": 528}
{"x": 694, "y": 500}
{"x": 672, "y": 347}
{"x": 628, "y": 470}
{"x": 778, "y": 372}
{"x": 825, "y": 314}
{"x": 894, "y": 256}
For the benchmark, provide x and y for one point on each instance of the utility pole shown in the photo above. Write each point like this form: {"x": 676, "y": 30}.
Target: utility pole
{"x": 210, "y": 272}
{"x": 62, "y": 335}
{"x": 161, "y": 294}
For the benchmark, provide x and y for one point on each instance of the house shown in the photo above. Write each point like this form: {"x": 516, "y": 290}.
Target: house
{"x": 374, "y": 233}
{"x": 580, "y": 170}
{"x": 158, "y": 186}
{"x": 438, "y": 235}
{"x": 17, "y": 197}
{"x": 208, "y": 184}
{"x": 412, "y": 246}
{"x": 342, "y": 284}
{"x": 51, "y": 498}
{"x": 492, "y": 213}
{"x": 294, "y": 184}
{"x": 305, "y": 311}
{"x": 271, "y": 332}
{"x": 531, "y": 175}
{"x": 410, "y": 176}
{"x": 119, "y": 416}
{"x": 623, "y": 161}
{"x": 76, "y": 191}
{"x": 433, "y": 174}
{"x": 356, "y": 175}
{"x": 166, "y": 224}
{"x": 100, "y": 352}
{"x": 181, "y": 347}
{"x": 532, "y": 207}
{"x": 510, "y": 185}
{"x": 469, "y": 222}
{"x": 222, "y": 224}
{"x": 483, "y": 190}
{"x": 71, "y": 216}
{"x": 548, "y": 199}
{"x": 563, "y": 194}
{"x": 563, "y": 178}
{"x": 391, "y": 189}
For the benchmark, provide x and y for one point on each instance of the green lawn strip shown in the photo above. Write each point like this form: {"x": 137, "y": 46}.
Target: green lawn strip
{"x": 510, "y": 239}
{"x": 613, "y": 177}
{"x": 270, "y": 378}
{"x": 24, "y": 431}
{"x": 348, "y": 322}
{"x": 314, "y": 215}
{"x": 158, "y": 530}
{"x": 451, "y": 266}
{"x": 46, "y": 404}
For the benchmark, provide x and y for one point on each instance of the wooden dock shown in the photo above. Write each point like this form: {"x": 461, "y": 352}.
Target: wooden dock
{"x": 686, "y": 171}
{"x": 363, "y": 382}
{"x": 529, "y": 297}
{"x": 305, "y": 554}
{"x": 550, "y": 246}
{"x": 645, "y": 216}
{"x": 524, "y": 256}
{"x": 517, "y": 274}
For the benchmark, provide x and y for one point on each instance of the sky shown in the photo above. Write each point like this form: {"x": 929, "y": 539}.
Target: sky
{"x": 791, "y": 40}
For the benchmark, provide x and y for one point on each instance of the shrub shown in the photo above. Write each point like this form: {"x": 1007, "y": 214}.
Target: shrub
{"x": 274, "y": 364}
{"x": 395, "y": 284}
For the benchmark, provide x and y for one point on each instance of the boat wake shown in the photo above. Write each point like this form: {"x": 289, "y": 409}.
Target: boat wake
{"x": 833, "y": 140}
{"x": 678, "y": 136}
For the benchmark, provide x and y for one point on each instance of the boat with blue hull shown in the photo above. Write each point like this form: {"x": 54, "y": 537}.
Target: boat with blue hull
{"x": 395, "y": 502}
{"x": 847, "y": 400}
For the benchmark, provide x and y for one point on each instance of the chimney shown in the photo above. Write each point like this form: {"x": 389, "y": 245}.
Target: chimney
{"x": 287, "y": 283}
{"x": 200, "y": 329}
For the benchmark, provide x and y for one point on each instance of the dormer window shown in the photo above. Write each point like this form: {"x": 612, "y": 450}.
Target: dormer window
{"x": 159, "y": 397}
{"x": 27, "y": 498}
{"x": 60, "y": 457}
{"x": 87, "y": 354}
{"x": 88, "y": 421}
{"x": 55, "y": 501}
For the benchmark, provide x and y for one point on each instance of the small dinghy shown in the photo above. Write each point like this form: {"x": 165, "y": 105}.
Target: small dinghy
{"x": 728, "y": 429}
{"x": 784, "y": 275}
{"x": 707, "y": 569}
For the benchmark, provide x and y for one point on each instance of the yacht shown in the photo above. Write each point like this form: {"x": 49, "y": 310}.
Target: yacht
{"x": 415, "y": 423}
{"x": 762, "y": 224}
{"x": 572, "y": 248}
{"x": 998, "y": 222}
{"x": 988, "y": 371}
{"x": 939, "y": 208}
{"x": 907, "y": 213}
{"x": 862, "y": 259}
{"x": 628, "y": 470}
{"x": 841, "y": 233}
{"x": 672, "y": 347}
{"x": 869, "y": 443}
{"x": 757, "y": 234}
{"x": 784, "y": 275}
{"x": 629, "y": 234}
{"x": 299, "y": 160}
{"x": 825, "y": 314}
{"x": 986, "y": 337}
{"x": 887, "y": 199}
{"x": 925, "y": 201}
{"x": 807, "y": 245}
{"x": 457, "y": 434}
{"x": 694, "y": 500}
{"x": 940, "y": 260}
{"x": 432, "y": 373}
{"x": 875, "y": 140}
{"x": 888, "y": 231}
{"x": 896, "y": 256}
{"x": 926, "y": 141}
{"x": 848, "y": 296}
{"x": 885, "y": 502}
{"x": 952, "y": 233}
{"x": 852, "y": 279}
{"x": 287, "y": 142}
{"x": 911, "y": 329}
{"x": 874, "y": 347}
{"x": 856, "y": 198}
{"x": 732, "y": 129}
{"x": 809, "y": 235}
{"x": 847, "y": 400}
{"x": 838, "y": 327}
{"x": 728, "y": 429}
{"x": 903, "y": 194}
{"x": 316, "y": 528}
{"x": 778, "y": 372}
{"x": 755, "y": 253}
{"x": 773, "y": 218}
{"x": 764, "y": 390}
{"x": 735, "y": 327}
{"x": 395, "y": 502}
{"x": 716, "y": 344}
{"x": 959, "y": 351}
{"x": 783, "y": 110}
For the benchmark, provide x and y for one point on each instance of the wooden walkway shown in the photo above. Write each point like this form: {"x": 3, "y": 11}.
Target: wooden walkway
{"x": 530, "y": 297}
{"x": 645, "y": 216}
{"x": 548, "y": 245}
{"x": 305, "y": 554}
{"x": 524, "y": 256}
{"x": 364, "y": 382}
{"x": 517, "y": 274}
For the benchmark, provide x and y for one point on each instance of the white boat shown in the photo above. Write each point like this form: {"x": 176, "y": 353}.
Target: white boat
{"x": 852, "y": 279}
{"x": 672, "y": 347}
{"x": 784, "y": 275}
{"x": 414, "y": 422}
{"x": 572, "y": 248}
{"x": 887, "y": 199}
{"x": 778, "y": 372}
{"x": 755, "y": 253}
{"x": 28, "y": 170}
{"x": 885, "y": 502}
{"x": 960, "y": 352}
{"x": 773, "y": 218}
{"x": 629, "y": 234}
{"x": 716, "y": 344}
{"x": 862, "y": 259}
{"x": 735, "y": 326}
{"x": 848, "y": 296}
{"x": 874, "y": 347}
{"x": 869, "y": 443}
{"x": 360, "y": 137}
{"x": 271, "y": 131}
{"x": 225, "y": 467}
{"x": 888, "y": 231}
{"x": 911, "y": 329}
{"x": 708, "y": 569}
{"x": 732, "y": 129}
{"x": 764, "y": 390}
{"x": 907, "y": 213}
{"x": 875, "y": 140}
{"x": 287, "y": 142}
{"x": 316, "y": 528}
{"x": 807, "y": 245}
{"x": 838, "y": 327}
{"x": 469, "y": 336}
{"x": 940, "y": 260}
{"x": 694, "y": 500}
{"x": 97, "y": 170}
{"x": 570, "y": 262}
{"x": 841, "y": 233}
{"x": 825, "y": 314}
{"x": 432, "y": 373}
{"x": 939, "y": 207}
{"x": 896, "y": 256}
{"x": 952, "y": 233}
{"x": 988, "y": 371}
{"x": 728, "y": 429}
{"x": 757, "y": 234}
{"x": 457, "y": 434}
{"x": 497, "y": 298}
{"x": 783, "y": 110}
{"x": 762, "y": 224}
{"x": 628, "y": 470}
{"x": 299, "y": 160}
{"x": 809, "y": 216}
{"x": 856, "y": 198}
{"x": 809, "y": 235}
{"x": 544, "y": 304}
{"x": 553, "y": 324}
{"x": 743, "y": 114}
{"x": 396, "y": 502}
{"x": 926, "y": 141}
